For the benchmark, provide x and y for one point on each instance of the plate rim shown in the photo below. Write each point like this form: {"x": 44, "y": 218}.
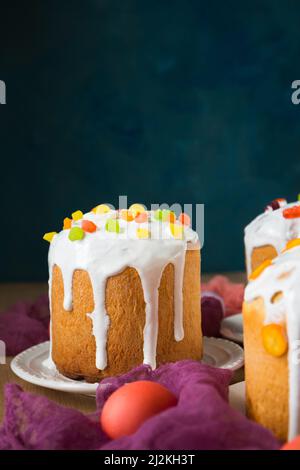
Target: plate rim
{"x": 82, "y": 387}
{"x": 233, "y": 337}
{"x": 237, "y": 363}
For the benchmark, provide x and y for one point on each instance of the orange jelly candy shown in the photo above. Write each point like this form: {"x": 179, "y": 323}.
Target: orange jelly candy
{"x": 88, "y": 226}
{"x": 184, "y": 219}
{"x": 275, "y": 339}
{"x": 67, "y": 223}
{"x": 257, "y": 272}
{"x": 292, "y": 243}
{"x": 127, "y": 215}
{"x": 291, "y": 212}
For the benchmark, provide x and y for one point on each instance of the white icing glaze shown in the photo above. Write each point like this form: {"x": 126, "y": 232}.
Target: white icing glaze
{"x": 283, "y": 275}
{"x": 103, "y": 254}
{"x": 270, "y": 228}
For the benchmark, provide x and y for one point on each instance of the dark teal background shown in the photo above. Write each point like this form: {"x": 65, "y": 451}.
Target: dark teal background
{"x": 165, "y": 101}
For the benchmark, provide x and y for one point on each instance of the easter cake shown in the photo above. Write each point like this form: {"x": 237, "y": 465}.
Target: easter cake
{"x": 271, "y": 316}
{"x": 268, "y": 233}
{"x": 124, "y": 290}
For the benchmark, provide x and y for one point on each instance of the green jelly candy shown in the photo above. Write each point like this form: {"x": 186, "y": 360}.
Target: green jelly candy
{"x": 76, "y": 233}
{"x": 158, "y": 214}
{"x": 113, "y": 225}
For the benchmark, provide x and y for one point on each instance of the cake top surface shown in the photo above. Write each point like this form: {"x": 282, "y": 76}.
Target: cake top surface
{"x": 281, "y": 221}
{"x": 135, "y": 223}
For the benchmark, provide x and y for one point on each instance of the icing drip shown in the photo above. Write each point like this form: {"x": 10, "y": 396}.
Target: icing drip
{"x": 284, "y": 276}
{"x": 270, "y": 228}
{"x": 103, "y": 254}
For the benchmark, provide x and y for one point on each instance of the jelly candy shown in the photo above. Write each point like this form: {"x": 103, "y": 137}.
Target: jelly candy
{"x": 49, "y": 236}
{"x": 76, "y": 233}
{"x": 292, "y": 212}
{"x": 257, "y": 272}
{"x": 292, "y": 243}
{"x": 158, "y": 214}
{"x": 88, "y": 226}
{"x": 142, "y": 233}
{"x": 168, "y": 216}
{"x": 101, "y": 209}
{"x": 127, "y": 215}
{"x": 136, "y": 209}
{"x": 112, "y": 225}
{"x": 67, "y": 223}
{"x": 77, "y": 215}
{"x": 274, "y": 339}
{"x": 177, "y": 231}
{"x": 184, "y": 219}
{"x": 141, "y": 217}
{"x": 276, "y": 204}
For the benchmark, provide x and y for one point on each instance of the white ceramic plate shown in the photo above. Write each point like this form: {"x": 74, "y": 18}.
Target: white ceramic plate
{"x": 232, "y": 328}
{"x": 237, "y": 396}
{"x": 33, "y": 365}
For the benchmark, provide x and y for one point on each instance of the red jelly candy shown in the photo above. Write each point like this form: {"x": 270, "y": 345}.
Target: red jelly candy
{"x": 88, "y": 226}
{"x": 141, "y": 217}
{"x": 184, "y": 219}
{"x": 291, "y": 212}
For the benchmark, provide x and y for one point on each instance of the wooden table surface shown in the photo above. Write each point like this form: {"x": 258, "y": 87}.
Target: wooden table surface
{"x": 11, "y": 293}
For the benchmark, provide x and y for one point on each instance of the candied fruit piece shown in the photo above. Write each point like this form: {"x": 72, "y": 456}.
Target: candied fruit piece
{"x": 77, "y": 215}
{"x": 127, "y": 215}
{"x": 158, "y": 214}
{"x": 113, "y": 225}
{"x": 49, "y": 236}
{"x": 276, "y": 204}
{"x": 184, "y": 219}
{"x": 257, "y": 272}
{"x": 292, "y": 243}
{"x": 136, "y": 209}
{"x": 67, "y": 223}
{"x": 141, "y": 218}
{"x": 168, "y": 216}
{"x": 275, "y": 339}
{"x": 88, "y": 226}
{"x": 142, "y": 233}
{"x": 177, "y": 231}
{"x": 76, "y": 233}
{"x": 101, "y": 209}
{"x": 291, "y": 212}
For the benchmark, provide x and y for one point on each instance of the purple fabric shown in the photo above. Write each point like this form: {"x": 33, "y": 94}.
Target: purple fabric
{"x": 202, "y": 418}
{"x": 33, "y": 422}
{"x": 25, "y": 324}
{"x": 212, "y": 313}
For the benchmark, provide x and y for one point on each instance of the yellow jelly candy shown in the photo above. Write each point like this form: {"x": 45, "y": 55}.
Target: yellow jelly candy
{"x": 76, "y": 233}
{"x": 290, "y": 244}
{"x": 168, "y": 216}
{"x": 49, "y": 236}
{"x": 177, "y": 231}
{"x": 127, "y": 215}
{"x": 136, "y": 209}
{"x": 77, "y": 215}
{"x": 257, "y": 272}
{"x": 67, "y": 223}
{"x": 101, "y": 209}
{"x": 275, "y": 339}
{"x": 142, "y": 233}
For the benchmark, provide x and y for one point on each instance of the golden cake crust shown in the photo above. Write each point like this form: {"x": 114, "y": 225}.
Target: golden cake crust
{"x": 73, "y": 344}
{"x": 267, "y": 389}
{"x": 261, "y": 254}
